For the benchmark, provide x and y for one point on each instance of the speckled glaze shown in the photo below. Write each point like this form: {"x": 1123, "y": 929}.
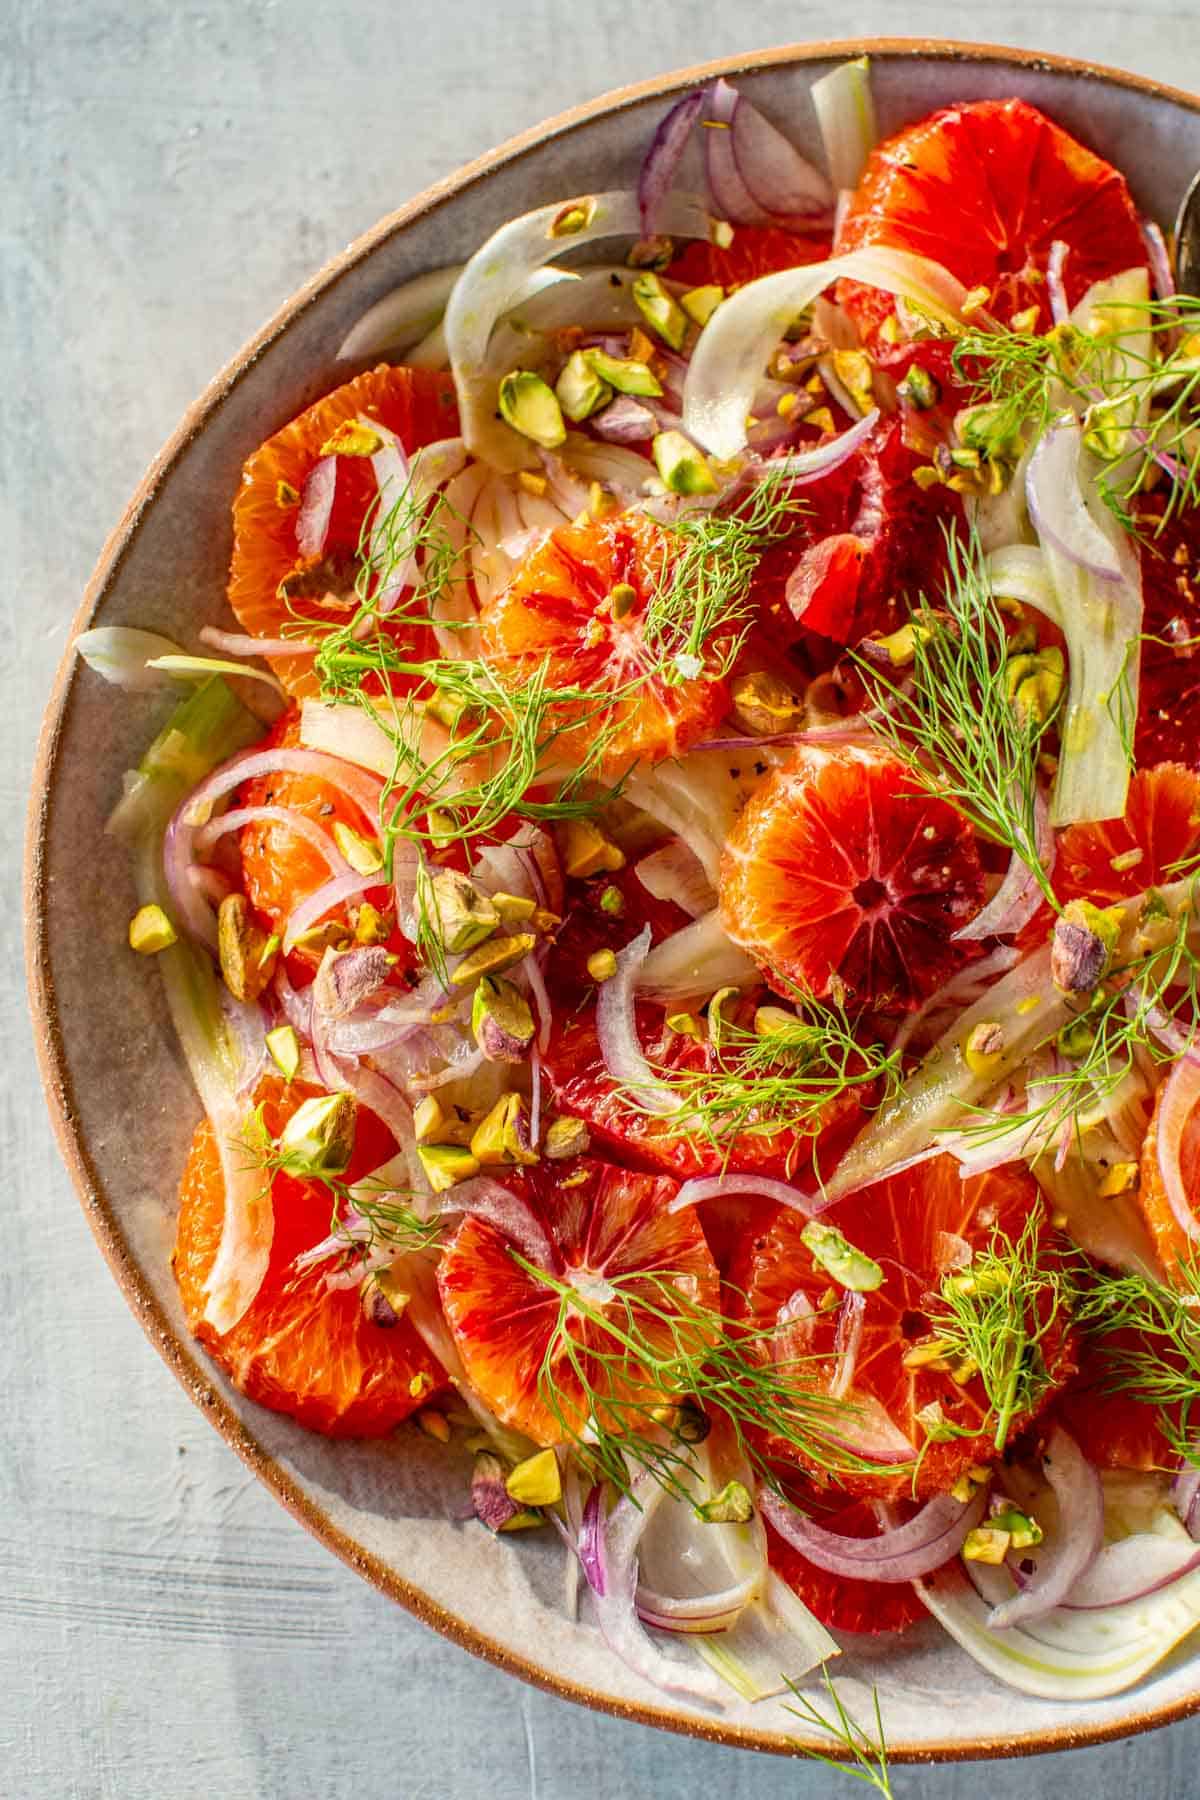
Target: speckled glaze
{"x": 119, "y": 1096}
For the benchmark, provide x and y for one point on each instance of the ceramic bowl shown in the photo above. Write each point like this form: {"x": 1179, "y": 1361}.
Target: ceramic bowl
{"x": 393, "y": 1510}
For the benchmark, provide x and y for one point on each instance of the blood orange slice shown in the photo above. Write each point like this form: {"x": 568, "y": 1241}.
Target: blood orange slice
{"x": 756, "y": 250}
{"x": 418, "y": 405}
{"x": 869, "y": 1607}
{"x": 1170, "y": 1240}
{"x": 903, "y": 1224}
{"x": 1113, "y": 1429}
{"x": 301, "y": 1348}
{"x": 620, "y": 1251}
{"x": 557, "y": 614}
{"x": 843, "y": 876}
{"x": 985, "y": 189}
{"x": 1169, "y": 689}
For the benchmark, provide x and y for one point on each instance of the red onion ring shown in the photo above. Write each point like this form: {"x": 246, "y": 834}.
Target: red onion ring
{"x": 661, "y": 163}
{"x": 1019, "y": 895}
{"x": 700, "y": 1612}
{"x": 209, "y": 835}
{"x": 590, "y": 1547}
{"x": 1185, "y": 1497}
{"x": 1181, "y": 1095}
{"x": 731, "y": 197}
{"x": 323, "y": 899}
{"x": 773, "y": 171}
{"x": 724, "y": 1187}
{"x": 846, "y": 1343}
{"x": 810, "y": 465}
{"x": 1158, "y": 256}
{"x": 316, "y": 507}
{"x": 904, "y": 1553}
{"x": 616, "y": 1030}
{"x": 237, "y": 643}
{"x": 1131, "y": 1569}
{"x": 542, "y": 1002}
{"x": 1056, "y": 292}
{"x": 512, "y": 1216}
{"x": 1060, "y": 1564}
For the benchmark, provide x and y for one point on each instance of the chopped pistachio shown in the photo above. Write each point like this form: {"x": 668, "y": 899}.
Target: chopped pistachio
{"x": 580, "y": 390}
{"x": 602, "y": 502}
{"x": 537, "y": 1481}
{"x": 364, "y": 855}
{"x": 502, "y": 1135}
{"x": 348, "y": 978}
{"x": 720, "y": 233}
{"x": 1126, "y": 860}
{"x": 318, "y": 1139}
{"x": 1034, "y": 683}
{"x": 732, "y": 1506}
{"x": 926, "y": 1354}
{"x": 586, "y": 850}
{"x": 1122, "y": 1178}
{"x": 490, "y": 1498}
{"x": 352, "y": 438}
{"x": 441, "y": 827}
{"x": 428, "y": 1119}
{"x": 853, "y": 370}
{"x": 492, "y": 958}
{"x": 371, "y": 926}
{"x": 461, "y": 915}
{"x": 986, "y": 1544}
{"x": 1026, "y": 321}
{"x": 612, "y": 902}
{"x": 530, "y": 407}
{"x": 501, "y": 1022}
{"x": 662, "y": 313}
{"x": 434, "y": 1424}
{"x": 700, "y": 303}
{"x": 627, "y": 374}
{"x": 150, "y": 931}
{"x": 514, "y": 909}
{"x": 764, "y": 705}
{"x": 283, "y": 1046}
{"x": 984, "y": 1048}
{"x": 602, "y": 965}
{"x": 532, "y": 484}
{"x": 622, "y": 599}
{"x": 920, "y": 389}
{"x": 446, "y": 1164}
{"x": 448, "y": 709}
{"x": 966, "y": 1487}
{"x": 1084, "y": 939}
{"x": 926, "y": 476}
{"x": 821, "y": 419}
{"x": 899, "y": 648}
{"x": 683, "y": 468}
{"x": 770, "y": 1020}
{"x": 573, "y": 218}
{"x": 1023, "y": 1530}
{"x": 1076, "y": 1037}
{"x": 566, "y": 1137}
{"x": 244, "y": 949}
{"x": 974, "y": 301}
{"x": 327, "y": 934}
{"x": 849, "y": 1267}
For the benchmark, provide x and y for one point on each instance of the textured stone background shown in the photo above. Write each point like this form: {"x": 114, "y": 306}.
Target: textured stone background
{"x": 169, "y": 171}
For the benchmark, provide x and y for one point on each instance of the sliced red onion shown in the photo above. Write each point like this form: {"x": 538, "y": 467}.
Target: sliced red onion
{"x": 512, "y": 1216}
{"x": 1057, "y": 506}
{"x": 702, "y": 1613}
{"x": 1132, "y": 1569}
{"x": 591, "y": 1547}
{"x": 695, "y": 961}
{"x": 1019, "y": 895}
{"x": 1185, "y": 1498}
{"x": 676, "y": 873}
{"x": 1159, "y": 258}
{"x": 616, "y": 1029}
{"x": 354, "y": 783}
{"x": 1076, "y": 1545}
{"x": 846, "y": 1344}
{"x": 810, "y": 465}
{"x": 904, "y": 1553}
{"x": 316, "y": 507}
{"x": 1181, "y": 1095}
{"x": 1056, "y": 292}
{"x": 323, "y": 900}
{"x": 730, "y": 196}
{"x": 543, "y": 1005}
{"x": 773, "y": 170}
{"x": 239, "y": 816}
{"x": 661, "y": 164}
{"x": 725, "y": 1187}
{"x": 237, "y": 643}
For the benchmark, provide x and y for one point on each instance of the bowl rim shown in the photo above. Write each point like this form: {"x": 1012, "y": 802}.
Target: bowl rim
{"x": 175, "y": 1351}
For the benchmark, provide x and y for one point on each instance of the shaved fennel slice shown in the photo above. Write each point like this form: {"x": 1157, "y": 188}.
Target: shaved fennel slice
{"x": 775, "y": 1641}
{"x": 1067, "y": 1655}
{"x": 845, "y": 112}
{"x": 490, "y": 280}
{"x": 402, "y": 317}
{"x": 693, "y": 963}
{"x": 1020, "y": 572}
{"x": 699, "y": 798}
{"x": 735, "y": 345}
{"x": 126, "y": 657}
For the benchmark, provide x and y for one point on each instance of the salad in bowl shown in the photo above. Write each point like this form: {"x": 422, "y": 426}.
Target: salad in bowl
{"x": 678, "y": 898}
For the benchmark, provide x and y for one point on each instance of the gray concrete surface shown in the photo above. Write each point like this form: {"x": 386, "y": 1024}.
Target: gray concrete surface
{"x": 168, "y": 173}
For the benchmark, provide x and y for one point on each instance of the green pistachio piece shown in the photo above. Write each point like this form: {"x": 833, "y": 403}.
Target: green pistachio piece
{"x": 502, "y": 1135}
{"x": 838, "y": 1257}
{"x": 683, "y": 468}
{"x": 732, "y": 1506}
{"x": 769, "y": 1021}
{"x": 247, "y": 954}
{"x": 764, "y": 705}
{"x": 493, "y": 1504}
{"x": 700, "y": 303}
{"x": 530, "y": 407}
{"x": 1024, "y": 1531}
{"x": 986, "y": 1544}
{"x": 150, "y": 931}
{"x": 537, "y": 1481}
{"x": 920, "y": 389}
{"x": 1034, "y": 683}
{"x": 363, "y": 854}
{"x": 446, "y": 1164}
{"x": 580, "y": 389}
{"x": 501, "y": 1021}
{"x": 493, "y": 957}
{"x": 318, "y": 1139}
{"x": 1082, "y": 944}
{"x": 661, "y": 311}
{"x": 624, "y": 373}
{"x": 566, "y": 1137}
{"x": 612, "y": 902}
{"x": 514, "y": 909}
{"x": 462, "y": 916}
{"x": 284, "y": 1048}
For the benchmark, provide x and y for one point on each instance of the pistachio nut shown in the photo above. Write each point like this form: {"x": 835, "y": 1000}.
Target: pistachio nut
{"x": 384, "y": 1298}
{"x": 566, "y": 1137}
{"x": 1084, "y": 939}
{"x": 602, "y": 965}
{"x": 1023, "y": 1530}
{"x": 514, "y": 909}
{"x": 537, "y": 1481}
{"x": 580, "y": 390}
{"x": 700, "y": 303}
{"x": 347, "y": 978}
{"x": 683, "y": 468}
{"x": 501, "y": 1022}
{"x": 318, "y": 1139}
{"x": 986, "y": 1544}
{"x": 150, "y": 931}
{"x": 446, "y": 1164}
{"x": 573, "y": 218}
{"x": 460, "y": 914}
{"x": 769, "y": 1021}
{"x": 612, "y": 902}
{"x": 622, "y": 598}
{"x": 371, "y": 926}
{"x": 530, "y": 407}
{"x": 1122, "y": 1178}
{"x": 502, "y": 1135}
{"x": 1034, "y": 682}
{"x": 247, "y": 954}
{"x": 661, "y": 311}
{"x": 491, "y": 1500}
{"x": 984, "y": 1048}
{"x": 353, "y": 437}
{"x": 497, "y": 954}
{"x": 586, "y": 851}
{"x": 283, "y": 1047}
{"x": 763, "y": 705}
{"x": 428, "y": 1119}
{"x": 732, "y": 1506}
{"x": 854, "y": 372}
{"x": 849, "y": 1267}
{"x": 899, "y": 648}
{"x": 626, "y": 374}
{"x": 364, "y": 855}
{"x": 919, "y": 389}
